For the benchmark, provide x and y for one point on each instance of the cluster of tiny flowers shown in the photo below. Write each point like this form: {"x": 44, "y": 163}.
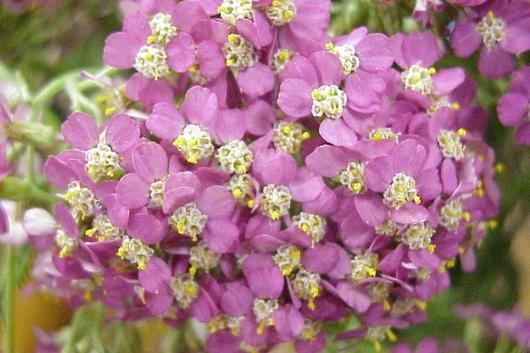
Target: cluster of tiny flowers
{"x": 278, "y": 179}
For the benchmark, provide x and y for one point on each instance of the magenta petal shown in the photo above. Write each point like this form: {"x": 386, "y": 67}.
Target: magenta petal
{"x": 237, "y": 299}
{"x": 409, "y": 157}
{"x": 158, "y": 303}
{"x": 221, "y": 236}
{"x": 146, "y": 227}
{"x": 320, "y": 259}
{"x": 132, "y": 191}
{"x": 371, "y": 208}
{"x": 155, "y": 276}
{"x": 421, "y": 47}
{"x": 300, "y": 68}
{"x": 512, "y": 109}
{"x": 355, "y": 233}
{"x": 200, "y": 105}
{"x": 274, "y": 167}
{"x": 295, "y": 98}
{"x": 447, "y": 80}
{"x": 256, "y": 81}
{"x": 495, "y": 63}
{"x": 122, "y": 133}
{"x": 328, "y": 160}
{"x": 187, "y": 14}
{"x": 465, "y": 39}
{"x": 364, "y": 91}
{"x": 378, "y": 173}
{"x": 150, "y": 161}
{"x": 288, "y": 321}
{"x": 522, "y": 135}
{"x": 263, "y": 276}
{"x": 355, "y": 299}
{"x": 58, "y": 173}
{"x": 210, "y": 59}
{"x": 165, "y": 121}
{"x": 410, "y": 213}
{"x": 448, "y": 176}
{"x": 230, "y": 125}
{"x": 374, "y": 52}
{"x": 65, "y": 220}
{"x": 307, "y": 186}
{"x": 80, "y": 131}
{"x": 216, "y": 202}
{"x": 338, "y": 133}
{"x": 328, "y": 67}
{"x": 148, "y": 91}
{"x": 517, "y": 39}
{"x": 120, "y": 50}
{"x": 259, "y": 117}
{"x": 181, "y": 52}
{"x": 428, "y": 184}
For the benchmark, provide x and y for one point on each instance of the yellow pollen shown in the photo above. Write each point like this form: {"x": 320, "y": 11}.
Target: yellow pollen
{"x": 121, "y": 252}
{"x": 316, "y": 95}
{"x": 455, "y": 106}
{"x": 250, "y": 203}
{"x": 233, "y": 39}
{"x": 442, "y": 269}
{"x": 237, "y": 193}
{"x": 230, "y": 62}
{"x": 490, "y": 16}
{"x": 492, "y": 223}
{"x": 391, "y": 335}
{"x": 329, "y": 46}
{"x": 466, "y": 216}
{"x": 431, "y": 248}
{"x": 311, "y": 304}
{"x": 141, "y": 264}
{"x": 241, "y": 169}
{"x": 357, "y": 187}
{"x": 275, "y": 215}
{"x": 499, "y": 168}
{"x": 450, "y": 263}
{"x": 287, "y": 129}
{"x": 417, "y": 199}
{"x": 63, "y": 253}
{"x": 110, "y": 110}
{"x": 377, "y": 136}
{"x": 462, "y": 132}
{"x": 193, "y": 159}
{"x": 432, "y": 70}
{"x": 287, "y": 15}
{"x": 371, "y": 271}
{"x": 421, "y": 305}
{"x": 192, "y": 69}
{"x": 377, "y": 346}
{"x": 461, "y": 250}
{"x": 87, "y": 295}
{"x": 283, "y": 55}
{"x": 151, "y": 39}
{"x": 386, "y": 305}
{"x": 306, "y": 135}
{"x": 261, "y": 328}
{"x": 181, "y": 226}
{"x": 90, "y": 232}
{"x": 305, "y": 228}
{"x": 192, "y": 270}
{"x": 179, "y": 141}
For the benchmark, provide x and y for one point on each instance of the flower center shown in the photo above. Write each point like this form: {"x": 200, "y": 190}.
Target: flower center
{"x": 280, "y": 59}
{"x": 422, "y": 274}
{"x": 328, "y": 102}
{"x": 81, "y": 200}
{"x": 347, "y": 56}
{"x": 151, "y": 61}
{"x": 66, "y": 243}
{"x": 276, "y": 201}
{"x": 418, "y": 236}
{"x": 263, "y": 310}
{"x": 135, "y": 251}
{"x": 202, "y": 258}
{"x": 449, "y": 142}
{"x": 281, "y": 12}
{"x": 400, "y": 191}
{"x": 364, "y": 266}
{"x": 102, "y": 163}
{"x": 387, "y": 228}
{"x": 156, "y": 193}
{"x": 311, "y": 224}
{"x": 418, "y": 79}
{"x": 306, "y": 286}
{"x": 287, "y": 258}
{"x": 353, "y": 177}
{"x": 239, "y": 54}
{"x": 195, "y": 143}
{"x": 383, "y": 133}
{"x": 162, "y": 29}
{"x": 438, "y": 102}
{"x": 235, "y": 157}
{"x": 452, "y": 213}
{"x": 188, "y": 220}
{"x": 104, "y": 229}
{"x": 184, "y": 289}
{"x": 311, "y": 330}
{"x": 233, "y": 10}
{"x": 240, "y": 186}
{"x": 288, "y": 137}
{"x": 379, "y": 291}
{"x": 491, "y": 29}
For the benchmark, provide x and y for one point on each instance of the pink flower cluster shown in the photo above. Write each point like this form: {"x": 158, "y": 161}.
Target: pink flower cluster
{"x": 279, "y": 179}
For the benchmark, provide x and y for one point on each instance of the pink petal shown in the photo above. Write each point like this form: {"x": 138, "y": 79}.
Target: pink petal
{"x": 132, "y": 191}
{"x": 200, "y": 105}
{"x": 328, "y": 67}
{"x": 221, "y": 236}
{"x": 336, "y": 132}
{"x": 256, "y": 81}
{"x": 374, "y": 52}
{"x": 120, "y": 50}
{"x": 181, "y": 52}
{"x": 165, "y": 121}
{"x": 495, "y": 63}
{"x": 216, "y": 202}
{"x": 122, "y": 133}
{"x": 150, "y": 161}
{"x": 295, "y": 98}
{"x": 80, "y": 131}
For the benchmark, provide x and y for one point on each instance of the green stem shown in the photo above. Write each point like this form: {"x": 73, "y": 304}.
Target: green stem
{"x": 10, "y": 300}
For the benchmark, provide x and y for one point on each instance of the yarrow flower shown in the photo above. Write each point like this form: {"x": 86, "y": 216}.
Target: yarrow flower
{"x": 276, "y": 178}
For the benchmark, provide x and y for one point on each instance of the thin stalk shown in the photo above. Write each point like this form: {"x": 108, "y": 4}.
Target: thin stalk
{"x": 9, "y": 305}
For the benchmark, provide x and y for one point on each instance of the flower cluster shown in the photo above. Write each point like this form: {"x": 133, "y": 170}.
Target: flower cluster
{"x": 276, "y": 179}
